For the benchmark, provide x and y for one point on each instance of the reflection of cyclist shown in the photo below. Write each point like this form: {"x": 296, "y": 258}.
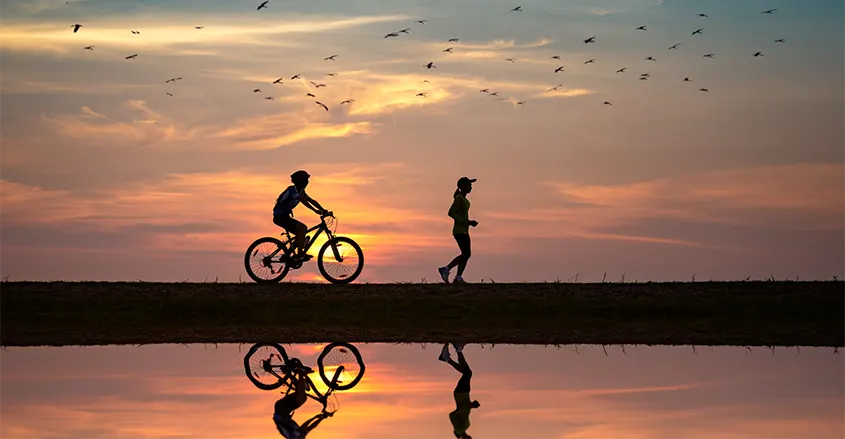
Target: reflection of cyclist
{"x": 283, "y": 210}
{"x": 283, "y": 412}
{"x": 464, "y": 404}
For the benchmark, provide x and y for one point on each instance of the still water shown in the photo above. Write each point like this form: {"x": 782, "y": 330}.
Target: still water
{"x": 169, "y": 391}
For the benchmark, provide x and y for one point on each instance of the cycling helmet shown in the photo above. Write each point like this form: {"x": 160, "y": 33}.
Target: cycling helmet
{"x": 298, "y": 176}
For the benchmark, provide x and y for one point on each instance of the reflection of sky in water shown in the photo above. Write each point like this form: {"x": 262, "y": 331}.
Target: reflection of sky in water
{"x": 525, "y": 391}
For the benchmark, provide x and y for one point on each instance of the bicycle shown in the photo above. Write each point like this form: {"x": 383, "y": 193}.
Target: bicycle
{"x": 340, "y": 367}
{"x": 274, "y": 255}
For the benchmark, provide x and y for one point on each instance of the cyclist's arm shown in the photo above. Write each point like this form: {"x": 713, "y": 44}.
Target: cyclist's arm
{"x": 312, "y": 204}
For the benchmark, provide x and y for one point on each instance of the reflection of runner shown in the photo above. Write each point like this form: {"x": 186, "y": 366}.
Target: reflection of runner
{"x": 284, "y": 408}
{"x": 464, "y": 404}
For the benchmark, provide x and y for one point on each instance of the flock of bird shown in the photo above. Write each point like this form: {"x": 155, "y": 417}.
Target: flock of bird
{"x": 430, "y": 65}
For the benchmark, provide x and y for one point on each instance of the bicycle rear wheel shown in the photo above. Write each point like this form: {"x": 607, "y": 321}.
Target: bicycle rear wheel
{"x": 343, "y": 267}
{"x": 264, "y": 365}
{"x": 261, "y": 266}
{"x": 339, "y": 354}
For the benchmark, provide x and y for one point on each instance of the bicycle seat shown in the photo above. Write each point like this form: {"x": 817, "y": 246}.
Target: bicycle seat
{"x": 296, "y": 367}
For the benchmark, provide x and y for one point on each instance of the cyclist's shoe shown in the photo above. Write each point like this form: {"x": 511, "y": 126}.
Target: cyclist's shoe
{"x": 458, "y": 347}
{"x": 444, "y": 354}
{"x": 444, "y": 273}
{"x": 302, "y": 258}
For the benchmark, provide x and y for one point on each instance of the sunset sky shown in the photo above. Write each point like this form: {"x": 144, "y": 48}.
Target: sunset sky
{"x": 176, "y": 391}
{"x": 103, "y": 176}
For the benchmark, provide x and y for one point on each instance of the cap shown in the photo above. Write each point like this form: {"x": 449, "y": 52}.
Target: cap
{"x": 466, "y": 180}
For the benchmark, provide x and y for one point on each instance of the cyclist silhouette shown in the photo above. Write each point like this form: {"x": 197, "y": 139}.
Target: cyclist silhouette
{"x": 284, "y": 408}
{"x": 283, "y": 210}
{"x": 464, "y": 404}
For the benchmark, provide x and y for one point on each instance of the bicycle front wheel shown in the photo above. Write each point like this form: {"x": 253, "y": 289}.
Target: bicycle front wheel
{"x": 264, "y": 365}
{"x": 340, "y": 260}
{"x": 339, "y": 354}
{"x": 266, "y": 260}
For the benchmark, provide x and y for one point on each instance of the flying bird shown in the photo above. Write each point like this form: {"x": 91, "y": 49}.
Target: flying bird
{"x": 485, "y": 90}
{"x": 510, "y": 59}
{"x": 278, "y": 81}
{"x": 703, "y": 15}
{"x": 256, "y": 90}
{"x": 295, "y": 77}
{"x": 645, "y": 75}
{"x": 520, "y": 102}
{"x": 348, "y": 101}
{"x": 263, "y": 5}
{"x": 421, "y": 21}
{"x": 330, "y": 58}
{"x": 651, "y": 58}
{"x": 590, "y": 40}
{"x": 310, "y": 94}
{"x": 703, "y": 89}
{"x": 317, "y": 85}
{"x": 641, "y": 28}
{"x": 709, "y": 55}
{"x": 769, "y": 11}
{"x": 559, "y": 69}
{"x": 269, "y": 98}
{"x": 331, "y": 74}
{"x": 687, "y": 80}
{"x": 622, "y": 70}
{"x": 322, "y": 105}
{"x": 448, "y": 50}
{"x": 169, "y": 94}
{"x": 590, "y": 61}
{"x": 643, "y": 78}
{"x": 136, "y": 32}
{"x": 407, "y": 30}
{"x": 517, "y": 9}
{"x": 75, "y": 27}
{"x": 422, "y": 94}
{"x": 608, "y": 103}
{"x": 198, "y": 27}
{"x": 430, "y": 65}
{"x": 132, "y": 56}
{"x": 674, "y": 46}
{"x": 555, "y": 88}
{"x": 780, "y": 40}
{"x": 426, "y": 81}
{"x": 495, "y": 93}
{"x": 756, "y": 54}
{"x": 556, "y": 57}
{"x": 453, "y": 40}
{"x": 698, "y": 31}
{"x": 88, "y": 48}
{"x": 391, "y": 35}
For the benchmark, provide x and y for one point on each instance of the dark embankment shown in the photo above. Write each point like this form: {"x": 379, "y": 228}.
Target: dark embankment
{"x": 701, "y": 313}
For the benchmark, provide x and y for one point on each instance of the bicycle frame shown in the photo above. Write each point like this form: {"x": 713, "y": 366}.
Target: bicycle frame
{"x": 320, "y": 228}
{"x": 317, "y": 396}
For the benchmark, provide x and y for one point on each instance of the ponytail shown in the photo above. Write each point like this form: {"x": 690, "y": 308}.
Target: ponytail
{"x": 457, "y": 191}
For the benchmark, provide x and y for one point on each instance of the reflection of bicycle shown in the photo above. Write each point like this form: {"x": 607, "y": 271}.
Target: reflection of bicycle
{"x": 340, "y": 367}
{"x": 268, "y": 260}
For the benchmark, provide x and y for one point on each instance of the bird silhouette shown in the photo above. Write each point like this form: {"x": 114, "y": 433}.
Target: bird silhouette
{"x": 407, "y": 30}
{"x": 485, "y": 90}
{"x": 769, "y": 11}
{"x": 426, "y": 81}
{"x": 650, "y": 58}
{"x": 643, "y": 78}
{"x": 590, "y": 40}
{"x": 169, "y": 94}
{"x": 310, "y": 94}
{"x": 641, "y": 28}
{"x": 391, "y": 35}
{"x": 263, "y": 5}
{"x": 555, "y": 88}
{"x": 330, "y": 58}
{"x": 687, "y": 80}
{"x": 756, "y": 54}
{"x": 278, "y": 81}
{"x": 295, "y": 77}
{"x": 495, "y": 93}
{"x": 269, "y": 98}
{"x": 622, "y": 70}
{"x": 448, "y": 50}
{"x": 510, "y": 59}
{"x": 703, "y": 89}
{"x": 517, "y": 9}
{"x": 453, "y": 40}
{"x": 136, "y": 32}
{"x": 421, "y": 21}
{"x": 75, "y": 27}
{"x": 645, "y": 75}
{"x": 198, "y": 27}
{"x": 674, "y": 46}
{"x": 590, "y": 61}
{"x": 556, "y": 57}
{"x": 256, "y": 90}
{"x": 88, "y": 48}
{"x": 423, "y": 94}
{"x": 708, "y": 55}
{"x": 430, "y": 65}
{"x": 559, "y": 69}
{"x": 132, "y": 56}
{"x": 331, "y": 74}
{"x": 348, "y": 101}
{"x": 322, "y": 105}
{"x": 520, "y": 102}
{"x": 703, "y": 15}
{"x": 780, "y": 40}
{"x": 317, "y": 85}
{"x": 608, "y": 103}
{"x": 698, "y": 31}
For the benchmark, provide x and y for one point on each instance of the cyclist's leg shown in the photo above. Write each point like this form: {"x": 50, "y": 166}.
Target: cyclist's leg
{"x": 300, "y": 231}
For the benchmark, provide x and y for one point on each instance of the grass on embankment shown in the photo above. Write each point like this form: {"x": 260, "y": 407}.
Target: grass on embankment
{"x": 700, "y": 313}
